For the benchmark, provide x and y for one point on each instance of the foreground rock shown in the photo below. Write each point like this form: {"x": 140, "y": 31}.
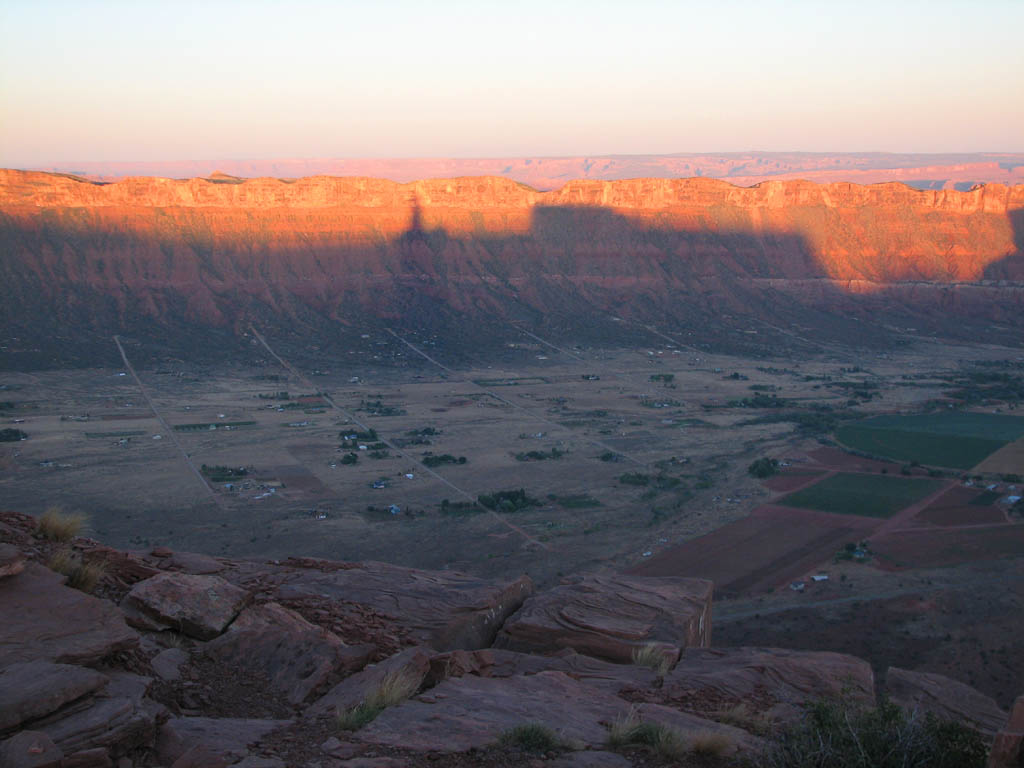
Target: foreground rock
{"x": 707, "y": 679}
{"x": 297, "y": 657}
{"x": 35, "y": 689}
{"x": 199, "y": 606}
{"x": 945, "y": 698}
{"x": 611, "y": 616}
{"x": 30, "y": 749}
{"x": 1008, "y": 747}
{"x": 440, "y": 609}
{"x": 12, "y": 562}
{"x": 43, "y": 619}
{"x": 227, "y": 738}
{"x": 411, "y": 665}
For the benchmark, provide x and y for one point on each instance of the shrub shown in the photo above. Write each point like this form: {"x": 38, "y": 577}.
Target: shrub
{"x": 81, "y": 575}
{"x": 631, "y": 732}
{"x": 508, "y": 501}
{"x": 11, "y": 435}
{"x": 55, "y": 525}
{"x": 530, "y": 738}
{"x": 837, "y": 734}
{"x": 394, "y": 688}
{"x": 763, "y": 467}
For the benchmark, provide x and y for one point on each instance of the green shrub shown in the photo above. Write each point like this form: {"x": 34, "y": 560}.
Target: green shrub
{"x": 530, "y": 738}
{"x": 764, "y": 467}
{"x": 838, "y": 734}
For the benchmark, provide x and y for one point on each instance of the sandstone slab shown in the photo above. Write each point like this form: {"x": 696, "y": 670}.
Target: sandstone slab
{"x": 298, "y": 657}
{"x": 466, "y": 712}
{"x": 30, "y": 749}
{"x": 763, "y": 677}
{"x": 413, "y": 663}
{"x": 736, "y": 740}
{"x": 43, "y": 619}
{"x": 167, "y": 664}
{"x": 229, "y": 737}
{"x": 592, "y": 759}
{"x": 611, "y": 616}
{"x": 444, "y": 610}
{"x": 34, "y": 689}
{"x": 12, "y": 561}
{"x": 88, "y": 758}
{"x": 945, "y": 698}
{"x": 1008, "y": 746}
{"x": 118, "y": 718}
{"x": 198, "y": 606}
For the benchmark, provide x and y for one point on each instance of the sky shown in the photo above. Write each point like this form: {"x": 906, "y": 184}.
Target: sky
{"x": 122, "y": 81}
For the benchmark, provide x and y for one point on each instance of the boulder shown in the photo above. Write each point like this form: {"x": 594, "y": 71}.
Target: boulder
{"x": 167, "y": 664}
{"x": 12, "y": 561}
{"x": 297, "y": 657}
{"x": 467, "y": 712}
{"x": 352, "y": 691}
{"x": 1008, "y": 746}
{"x": 34, "y": 689}
{"x": 30, "y": 749}
{"x": 945, "y": 698}
{"x": 222, "y": 737}
{"x": 440, "y": 609}
{"x": 43, "y": 619}
{"x": 763, "y": 677}
{"x": 611, "y": 616}
{"x": 118, "y": 718}
{"x": 198, "y": 606}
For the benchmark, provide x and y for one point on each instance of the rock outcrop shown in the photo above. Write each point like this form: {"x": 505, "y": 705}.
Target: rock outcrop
{"x": 199, "y": 606}
{"x": 612, "y": 617}
{"x": 945, "y": 698}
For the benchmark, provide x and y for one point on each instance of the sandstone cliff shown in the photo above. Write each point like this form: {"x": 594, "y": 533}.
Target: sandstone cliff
{"x": 219, "y": 250}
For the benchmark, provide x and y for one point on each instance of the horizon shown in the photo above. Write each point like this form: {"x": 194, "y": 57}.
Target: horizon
{"x": 398, "y": 81}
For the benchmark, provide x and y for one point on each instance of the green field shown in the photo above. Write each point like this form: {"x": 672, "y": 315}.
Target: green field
{"x": 956, "y": 440}
{"x": 863, "y": 494}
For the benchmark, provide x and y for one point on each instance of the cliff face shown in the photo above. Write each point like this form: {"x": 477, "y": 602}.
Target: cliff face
{"x": 215, "y": 251}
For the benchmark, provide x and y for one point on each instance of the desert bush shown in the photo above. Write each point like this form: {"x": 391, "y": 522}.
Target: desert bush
{"x": 12, "y": 435}
{"x": 530, "y": 738}
{"x": 839, "y": 734}
{"x": 394, "y": 688}
{"x": 763, "y": 467}
{"x": 508, "y": 501}
{"x": 81, "y": 575}
{"x": 631, "y": 732}
{"x": 653, "y": 655}
{"x": 56, "y": 525}
{"x": 742, "y": 716}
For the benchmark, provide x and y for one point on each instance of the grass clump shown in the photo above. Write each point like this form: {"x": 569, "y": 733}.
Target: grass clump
{"x": 394, "y": 688}
{"x": 81, "y": 575}
{"x": 56, "y": 525}
{"x": 653, "y": 655}
{"x": 837, "y": 734}
{"x": 742, "y": 716}
{"x": 631, "y": 732}
{"x": 530, "y": 738}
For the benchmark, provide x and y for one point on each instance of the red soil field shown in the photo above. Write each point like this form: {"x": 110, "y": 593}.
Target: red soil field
{"x": 766, "y": 550}
{"x": 790, "y": 481}
{"x": 833, "y": 458}
{"x": 953, "y": 508}
{"x": 940, "y": 547}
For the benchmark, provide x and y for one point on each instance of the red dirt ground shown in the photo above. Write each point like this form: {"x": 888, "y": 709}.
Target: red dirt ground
{"x": 790, "y": 481}
{"x": 762, "y": 552}
{"x": 953, "y": 509}
{"x": 833, "y": 458}
{"x": 938, "y": 547}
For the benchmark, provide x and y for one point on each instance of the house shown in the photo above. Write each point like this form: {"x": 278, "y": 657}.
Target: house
{"x": 798, "y": 586}
{"x": 819, "y": 577}
{"x": 394, "y": 509}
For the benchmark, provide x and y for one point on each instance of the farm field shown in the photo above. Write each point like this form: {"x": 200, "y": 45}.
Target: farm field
{"x": 862, "y": 494}
{"x": 957, "y": 440}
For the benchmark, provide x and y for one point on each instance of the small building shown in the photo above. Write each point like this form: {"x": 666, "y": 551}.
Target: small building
{"x": 798, "y": 586}
{"x": 819, "y": 577}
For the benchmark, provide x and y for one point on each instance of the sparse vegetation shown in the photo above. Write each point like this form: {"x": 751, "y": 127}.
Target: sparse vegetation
{"x": 81, "y": 575}
{"x": 394, "y": 688}
{"x": 10, "y": 435}
{"x": 56, "y": 525}
{"x": 218, "y": 473}
{"x": 432, "y": 460}
{"x": 838, "y": 734}
{"x": 654, "y": 655}
{"x": 508, "y": 501}
{"x": 554, "y": 453}
{"x": 662, "y": 740}
{"x": 531, "y": 737}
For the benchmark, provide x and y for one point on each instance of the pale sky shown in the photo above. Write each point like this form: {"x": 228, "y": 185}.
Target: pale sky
{"x": 179, "y": 80}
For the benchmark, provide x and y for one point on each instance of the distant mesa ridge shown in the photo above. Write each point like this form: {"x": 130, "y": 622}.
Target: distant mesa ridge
{"x": 219, "y": 251}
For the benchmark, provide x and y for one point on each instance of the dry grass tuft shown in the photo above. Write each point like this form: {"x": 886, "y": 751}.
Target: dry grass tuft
{"x": 742, "y": 716}
{"x": 81, "y": 575}
{"x": 394, "y": 688}
{"x": 653, "y": 655}
{"x": 711, "y": 744}
{"x": 55, "y": 525}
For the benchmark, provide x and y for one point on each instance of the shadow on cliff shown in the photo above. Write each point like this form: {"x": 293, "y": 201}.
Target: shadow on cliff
{"x": 573, "y": 271}
{"x": 1011, "y": 267}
